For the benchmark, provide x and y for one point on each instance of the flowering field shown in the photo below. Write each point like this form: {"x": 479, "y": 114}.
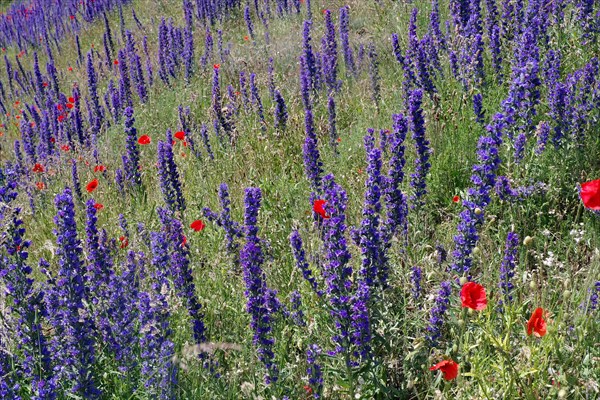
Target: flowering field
{"x": 296, "y": 199}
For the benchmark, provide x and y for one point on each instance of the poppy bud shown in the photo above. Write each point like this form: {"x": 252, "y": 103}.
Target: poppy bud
{"x": 532, "y": 285}
{"x": 528, "y": 241}
{"x": 566, "y": 294}
{"x": 478, "y": 211}
{"x": 461, "y": 323}
{"x": 463, "y": 280}
{"x": 476, "y": 250}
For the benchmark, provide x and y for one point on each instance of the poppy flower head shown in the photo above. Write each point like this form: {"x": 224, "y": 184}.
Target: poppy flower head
{"x": 448, "y": 367}
{"x": 180, "y": 135}
{"x": 144, "y": 140}
{"x": 70, "y": 69}
{"x": 69, "y": 106}
{"x": 98, "y": 206}
{"x": 66, "y": 148}
{"x": 197, "y": 225}
{"x": 216, "y": 66}
{"x": 93, "y": 185}
{"x": 99, "y": 168}
{"x": 38, "y": 168}
{"x": 246, "y": 38}
{"x": 473, "y": 296}
{"x": 590, "y": 194}
{"x": 40, "y": 185}
{"x": 319, "y": 208}
{"x": 183, "y": 241}
{"x": 537, "y": 323}
{"x": 71, "y": 100}
{"x": 455, "y": 199}
{"x": 116, "y": 62}
{"x": 124, "y": 242}
{"x": 61, "y": 118}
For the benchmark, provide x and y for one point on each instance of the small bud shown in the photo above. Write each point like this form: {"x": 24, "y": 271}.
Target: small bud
{"x": 461, "y": 322}
{"x": 476, "y": 250}
{"x": 527, "y": 241}
{"x": 532, "y": 285}
{"x": 471, "y": 311}
{"x": 455, "y": 348}
{"x": 410, "y": 384}
{"x": 562, "y": 393}
{"x": 478, "y": 211}
{"x": 463, "y": 280}
{"x": 566, "y": 294}
{"x": 567, "y": 283}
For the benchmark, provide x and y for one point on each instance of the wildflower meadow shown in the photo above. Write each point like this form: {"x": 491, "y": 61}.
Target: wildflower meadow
{"x": 299, "y": 199}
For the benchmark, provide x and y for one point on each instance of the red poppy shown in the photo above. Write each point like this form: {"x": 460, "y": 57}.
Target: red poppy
{"x": 308, "y": 389}
{"x": 45, "y": 84}
{"x": 65, "y": 148}
{"x": 537, "y": 324}
{"x": 93, "y": 185}
{"x": 38, "y": 168}
{"x": 246, "y": 38}
{"x": 61, "y": 118}
{"x": 144, "y": 139}
{"x": 98, "y": 206}
{"x": 473, "y": 296}
{"x": 99, "y": 168}
{"x": 71, "y": 100}
{"x": 455, "y": 199}
{"x": 18, "y": 117}
{"x": 183, "y": 241}
{"x": 448, "y": 367}
{"x": 339, "y": 140}
{"x": 41, "y": 185}
{"x": 590, "y": 194}
{"x": 184, "y": 143}
{"x": 116, "y": 62}
{"x": 70, "y": 69}
{"x": 319, "y": 208}
{"x": 197, "y": 225}
{"x": 180, "y": 135}
{"x": 59, "y": 107}
{"x": 69, "y": 106}
{"x": 216, "y": 66}
{"x": 72, "y": 16}
{"x": 124, "y": 242}
{"x": 52, "y": 140}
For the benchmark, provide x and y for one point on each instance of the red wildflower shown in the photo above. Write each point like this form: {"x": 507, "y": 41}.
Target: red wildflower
{"x": 308, "y": 389}
{"x": 246, "y": 38}
{"x": 180, "y": 135}
{"x": 52, "y": 140}
{"x": 98, "y": 206}
{"x": 38, "y": 168}
{"x": 72, "y": 16}
{"x": 66, "y": 148}
{"x": 144, "y": 139}
{"x": 183, "y": 241}
{"x": 197, "y": 225}
{"x": 41, "y": 185}
{"x": 473, "y": 296}
{"x": 93, "y": 185}
{"x": 216, "y": 66}
{"x": 45, "y": 84}
{"x": 116, "y": 62}
{"x": 70, "y": 69}
{"x": 99, "y": 168}
{"x": 448, "y": 367}
{"x": 61, "y": 118}
{"x": 319, "y": 208}
{"x": 590, "y": 194}
{"x": 71, "y": 100}
{"x": 124, "y": 242}
{"x": 455, "y": 199}
{"x": 59, "y": 107}
{"x": 69, "y": 106}
{"x": 339, "y": 140}
{"x": 537, "y": 324}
